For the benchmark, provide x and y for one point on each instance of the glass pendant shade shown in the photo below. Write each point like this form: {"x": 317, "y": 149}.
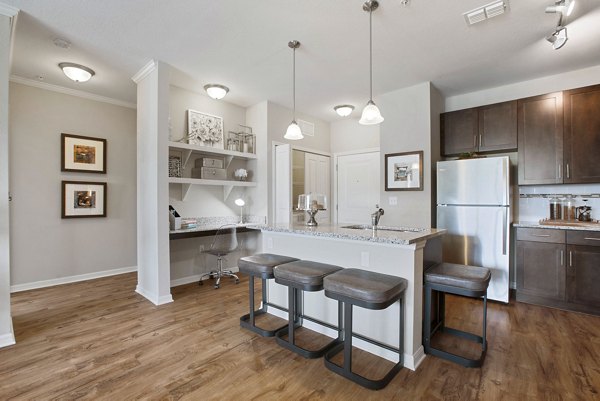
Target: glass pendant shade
{"x": 370, "y": 115}
{"x": 293, "y": 132}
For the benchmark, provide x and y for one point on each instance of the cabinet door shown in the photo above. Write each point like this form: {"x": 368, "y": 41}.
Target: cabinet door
{"x": 540, "y": 137}
{"x": 541, "y": 270}
{"x": 582, "y": 135}
{"x": 584, "y": 275}
{"x": 459, "y": 132}
{"x": 498, "y": 127}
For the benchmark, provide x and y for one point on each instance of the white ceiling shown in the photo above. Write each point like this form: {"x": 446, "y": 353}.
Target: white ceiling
{"x": 243, "y": 44}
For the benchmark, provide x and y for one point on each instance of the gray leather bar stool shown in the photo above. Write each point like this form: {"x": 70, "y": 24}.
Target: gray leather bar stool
{"x": 260, "y": 265}
{"x": 298, "y": 276}
{"x": 368, "y": 290}
{"x": 450, "y": 278}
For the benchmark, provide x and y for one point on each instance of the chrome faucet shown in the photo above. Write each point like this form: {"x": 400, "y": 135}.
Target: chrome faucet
{"x": 376, "y": 216}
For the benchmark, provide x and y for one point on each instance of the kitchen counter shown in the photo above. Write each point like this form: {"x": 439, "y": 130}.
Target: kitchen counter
{"x": 384, "y": 234}
{"x": 536, "y": 224}
{"x": 405, "y": 253}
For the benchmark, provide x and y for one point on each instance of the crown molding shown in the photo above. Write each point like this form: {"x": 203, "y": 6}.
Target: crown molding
{"x": 73, "y": 92}
{"x": 8, "y": 11}
{"x": 144, "y": 71}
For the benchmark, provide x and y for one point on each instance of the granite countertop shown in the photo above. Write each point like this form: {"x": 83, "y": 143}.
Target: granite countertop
{"x": 214, "y": 223}
{"x": 536, "y": 224}
{"x": 385, "y": 235}
{"x": 206, "y": 227}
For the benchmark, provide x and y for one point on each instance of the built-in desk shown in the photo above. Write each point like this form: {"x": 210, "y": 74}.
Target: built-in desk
{"x": 205, "y": 231}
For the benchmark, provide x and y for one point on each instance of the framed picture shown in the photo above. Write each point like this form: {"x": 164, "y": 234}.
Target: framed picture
{"x": 404, "y": 171}
{"x": 83, "y": 154}
{"x": 205, "y": 129}
{"x": 83, "y": 199}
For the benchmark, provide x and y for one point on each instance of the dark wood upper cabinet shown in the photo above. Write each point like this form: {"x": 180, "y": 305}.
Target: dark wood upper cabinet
{"x": 582, "y": 135}
{"x": 498, "y": 127}
{"x": 459, "y": 132}
{"x": 540, "y": 137}
{"x": 480, "y": 129}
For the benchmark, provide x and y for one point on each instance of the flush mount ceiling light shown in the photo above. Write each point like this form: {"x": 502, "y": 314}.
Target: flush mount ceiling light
{"x": 486, "y": 12}
{"x": 344, "y": 110}
{"x": 77, "y": 72}
{"x": 565, "y": 7}
{"x": 558, "y": 38}
{"x": 370, "y": 114}
{"x": 293, "y": 131}
{"x": 216, "y": 91}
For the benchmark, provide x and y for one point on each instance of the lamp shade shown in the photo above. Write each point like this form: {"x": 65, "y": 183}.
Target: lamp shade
{"x": 293, "y": 132}
{"x": 76, "y": 72}
{"x": 371, "y": 115}
{"x": 216, "y": 91}
{"x": 240, "y": 202}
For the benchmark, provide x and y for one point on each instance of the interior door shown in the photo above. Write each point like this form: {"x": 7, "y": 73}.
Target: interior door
{"x": 317, "y": 180}
{"x": 283, "y": 183}
{"x": 357, "y": 187}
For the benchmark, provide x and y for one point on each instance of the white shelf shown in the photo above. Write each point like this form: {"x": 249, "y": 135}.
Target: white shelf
{"x": 211, "y": 151}
{"x": 227, "y": 185}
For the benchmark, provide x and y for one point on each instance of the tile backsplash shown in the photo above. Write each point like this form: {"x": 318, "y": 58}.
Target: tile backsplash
{"x": 534, "y": 200}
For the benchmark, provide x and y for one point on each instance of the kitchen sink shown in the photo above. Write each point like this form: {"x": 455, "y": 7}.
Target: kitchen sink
{"x": 383, "y": 228}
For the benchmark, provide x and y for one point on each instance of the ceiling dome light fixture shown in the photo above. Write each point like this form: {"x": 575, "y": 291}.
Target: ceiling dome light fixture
{"x": 344, "y": 110}
{"x": 565, "y": 7}
{"x": 558, "y": 38}
{"x": 370, "y": 114}
{"x": 216, "y": 91}
{"x": 293, "y": 131}
{"x": 77, "y": 72}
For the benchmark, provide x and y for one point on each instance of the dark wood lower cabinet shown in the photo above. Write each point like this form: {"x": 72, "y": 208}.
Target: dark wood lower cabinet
{"x": 558, "y": 271}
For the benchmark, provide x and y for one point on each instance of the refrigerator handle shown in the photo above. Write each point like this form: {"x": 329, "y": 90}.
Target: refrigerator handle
{"x": 504, "y": 229}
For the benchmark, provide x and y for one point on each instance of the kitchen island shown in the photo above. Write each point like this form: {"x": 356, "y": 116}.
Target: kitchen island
{"x": 397, "y": 251}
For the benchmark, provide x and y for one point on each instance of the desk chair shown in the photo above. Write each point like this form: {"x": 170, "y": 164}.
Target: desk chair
{"x": 224, "y": 242}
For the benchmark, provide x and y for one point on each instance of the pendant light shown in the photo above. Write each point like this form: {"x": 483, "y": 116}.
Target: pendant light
{"x": 293, "y": 131}
{"x": 370, "y": 114}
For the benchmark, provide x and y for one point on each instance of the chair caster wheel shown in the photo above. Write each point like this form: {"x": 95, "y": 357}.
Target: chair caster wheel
{"x": 217, "y": 287}
{"x": 200, "y": 282}
{"x": 237, "y": 280}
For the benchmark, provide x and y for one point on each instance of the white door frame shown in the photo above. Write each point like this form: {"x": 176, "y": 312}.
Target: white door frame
{"x": 334, "y": 171}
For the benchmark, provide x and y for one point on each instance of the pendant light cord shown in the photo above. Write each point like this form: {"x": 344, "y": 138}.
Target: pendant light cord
{"x": 371, "y": 53}
{"x": 294, "y": 82}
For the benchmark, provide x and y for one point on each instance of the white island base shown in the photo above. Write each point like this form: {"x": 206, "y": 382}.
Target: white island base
{"x": 398, "y": 259}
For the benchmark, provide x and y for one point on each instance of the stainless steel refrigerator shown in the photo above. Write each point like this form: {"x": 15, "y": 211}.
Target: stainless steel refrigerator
{"x": 473, "y": 204}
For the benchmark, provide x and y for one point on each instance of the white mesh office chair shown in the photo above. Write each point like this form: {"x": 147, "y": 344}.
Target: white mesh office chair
{"x": 224, "y": 242}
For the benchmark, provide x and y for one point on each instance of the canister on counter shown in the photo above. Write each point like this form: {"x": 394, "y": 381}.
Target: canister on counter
{"x": 555, "y": 208}
{"x": 569, "y": 209}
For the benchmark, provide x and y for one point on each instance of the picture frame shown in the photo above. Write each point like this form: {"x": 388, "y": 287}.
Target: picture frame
{"x": 205, "y": 129}
{"x": 83, "y": 154}
{"x": 83, "y": 199}
{"x": 404, "y": 171}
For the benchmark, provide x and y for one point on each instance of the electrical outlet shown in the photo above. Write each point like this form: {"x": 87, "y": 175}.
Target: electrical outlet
{"x": 393, "y": 200}
{"x": 364, "y": 259}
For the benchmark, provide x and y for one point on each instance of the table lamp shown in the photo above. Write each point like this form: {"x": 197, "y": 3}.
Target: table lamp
{"x": 240, "y": 202}
{"x": 312, "y": 203}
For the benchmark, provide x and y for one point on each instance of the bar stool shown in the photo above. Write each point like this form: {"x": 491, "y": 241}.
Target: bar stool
{"x": 298, "y": 276}
{"x": 450, "y": 278}
{"x": 368, "y": 290}
{"x": 259, "y": 265}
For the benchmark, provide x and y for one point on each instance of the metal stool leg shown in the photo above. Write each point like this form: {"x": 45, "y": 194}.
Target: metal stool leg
{"x": 248, "y": 321}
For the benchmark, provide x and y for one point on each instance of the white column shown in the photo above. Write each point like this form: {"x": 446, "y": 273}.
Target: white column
{"x": 152, "y": 182}
{"x": 7, "y": 19}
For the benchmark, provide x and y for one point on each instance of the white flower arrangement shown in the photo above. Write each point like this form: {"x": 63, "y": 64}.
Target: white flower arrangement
{"x": 241, "y": 174}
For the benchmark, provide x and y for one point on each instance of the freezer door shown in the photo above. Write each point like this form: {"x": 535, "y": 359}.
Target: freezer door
{"x": 478, "y": 236}
{"x": 473, "y": 182}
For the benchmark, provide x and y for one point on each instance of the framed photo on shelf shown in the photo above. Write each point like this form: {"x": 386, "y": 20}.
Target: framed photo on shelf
{"x": 205, "y": 129}
{"x": 404, "y": 171}
{"x": 83, "y": 154}
{"x": 83, "y": 199}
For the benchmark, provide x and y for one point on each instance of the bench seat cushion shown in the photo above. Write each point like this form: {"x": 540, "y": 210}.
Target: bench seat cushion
{"x": 262, "y": 263}
{"x": 365, "y": 286}
{"x": 305, "y": 272}
{"x": 467, "y": 277}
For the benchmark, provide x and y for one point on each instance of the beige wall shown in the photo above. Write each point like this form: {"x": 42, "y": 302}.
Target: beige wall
{"x": 348, "y": 135}
{"x": 44, "y": 246}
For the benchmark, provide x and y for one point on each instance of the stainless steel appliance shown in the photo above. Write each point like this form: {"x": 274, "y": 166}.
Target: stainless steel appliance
{"x": 473, "y": 204}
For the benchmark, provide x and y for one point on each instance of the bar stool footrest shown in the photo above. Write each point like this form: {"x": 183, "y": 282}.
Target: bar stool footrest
{"x": 245, "y": 323}
{"x": 306, "y": 353}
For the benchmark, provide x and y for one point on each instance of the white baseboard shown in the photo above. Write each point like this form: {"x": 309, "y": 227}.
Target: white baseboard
{"x": 196, "y": 277}
{"x": 155, "y": 299}
{"x": 70, "y": 279}
{"x": 8, "y": 338}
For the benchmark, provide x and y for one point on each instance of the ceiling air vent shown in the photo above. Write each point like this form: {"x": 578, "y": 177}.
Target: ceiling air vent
{"x": 485, "y": 12}
{"x": 306, "y": 127}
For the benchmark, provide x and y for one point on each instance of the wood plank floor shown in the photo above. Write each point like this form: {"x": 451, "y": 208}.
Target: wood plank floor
{"x": 100, "y": 340}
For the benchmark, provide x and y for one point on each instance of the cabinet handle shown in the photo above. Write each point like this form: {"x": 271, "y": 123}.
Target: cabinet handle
{"x": 540, "y": 235}
{"x": 570, "y": 258}
{"x": 568, "y": 175}
{"x": 592, "y": 238}
{"x": 480, "y": 140}
{"x": 559, "y": 171}
{"x": 475, "y": 141}
{"x": 562, "y": 258}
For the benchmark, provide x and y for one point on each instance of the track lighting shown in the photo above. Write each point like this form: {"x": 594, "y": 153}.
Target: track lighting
{"x": 558, "y": 38}
{"x": 565, "y": 7}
